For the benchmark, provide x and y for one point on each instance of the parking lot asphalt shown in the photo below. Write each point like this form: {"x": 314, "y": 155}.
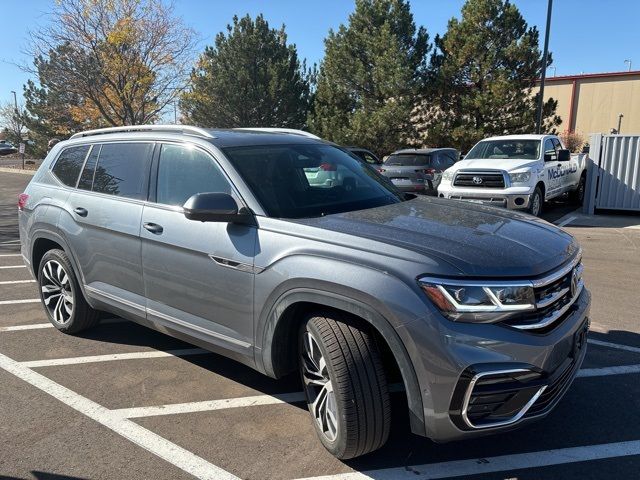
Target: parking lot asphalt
{"x": 121, "y": 401}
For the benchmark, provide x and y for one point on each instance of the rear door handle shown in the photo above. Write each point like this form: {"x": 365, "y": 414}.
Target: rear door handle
{"x": 153, "y": 228}
{"x": 81, "y": 211}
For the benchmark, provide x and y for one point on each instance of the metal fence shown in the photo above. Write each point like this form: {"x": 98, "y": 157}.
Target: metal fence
{"x": 613, "y": 175}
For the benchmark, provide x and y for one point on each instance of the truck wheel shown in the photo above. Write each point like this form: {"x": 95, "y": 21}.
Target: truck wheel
{"x": 344, "y": 384}
{"x": 61, "y": 296}
{"x": 577, "y": 196}
{"x": 535, "y": 203}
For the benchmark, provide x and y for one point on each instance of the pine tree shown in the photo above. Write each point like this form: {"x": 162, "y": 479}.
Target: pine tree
{"x": 250, "y": 78}
{"x": 483, "y": 72}
{"x": 372, "y": 73}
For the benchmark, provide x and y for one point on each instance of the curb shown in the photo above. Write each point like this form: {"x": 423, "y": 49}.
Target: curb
{"x": 17, "y": 170}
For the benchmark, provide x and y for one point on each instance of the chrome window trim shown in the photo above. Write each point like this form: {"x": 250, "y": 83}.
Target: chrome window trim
{"x": 502, "y": 423}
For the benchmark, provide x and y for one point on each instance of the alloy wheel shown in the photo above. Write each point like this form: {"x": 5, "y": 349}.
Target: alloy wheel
{"x": 535, "y": 208}
{"x": 57, "y": 294}
{"x": 319, "y": 389}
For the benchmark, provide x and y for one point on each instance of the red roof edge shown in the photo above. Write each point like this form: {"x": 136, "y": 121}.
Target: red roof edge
{"x": 591, "y": 75}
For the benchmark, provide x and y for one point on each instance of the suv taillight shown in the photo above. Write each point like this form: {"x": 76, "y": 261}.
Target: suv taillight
{"x": 22, "y": 200}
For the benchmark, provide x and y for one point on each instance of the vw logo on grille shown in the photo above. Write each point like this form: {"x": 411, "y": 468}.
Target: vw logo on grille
{"x": 574, "y": 282}
{"x": 477, "y": 180}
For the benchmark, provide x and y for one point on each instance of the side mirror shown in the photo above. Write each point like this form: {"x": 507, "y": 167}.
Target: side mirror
{"x": 215, "y": 207}
{"x": 564, "y": 155}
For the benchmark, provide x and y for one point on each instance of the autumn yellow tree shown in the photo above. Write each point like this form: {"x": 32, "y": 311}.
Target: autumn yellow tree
{"x": 107, "y": 63}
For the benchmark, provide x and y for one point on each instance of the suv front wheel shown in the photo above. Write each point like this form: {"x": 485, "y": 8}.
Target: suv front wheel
{"x": 345, "y": 385}
{"x": 61, "y": 296}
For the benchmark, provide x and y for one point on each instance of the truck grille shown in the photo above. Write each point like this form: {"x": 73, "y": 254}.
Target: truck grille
{"x": 479, "y": 180}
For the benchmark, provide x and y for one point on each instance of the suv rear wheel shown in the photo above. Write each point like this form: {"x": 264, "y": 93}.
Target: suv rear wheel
{"x": 345, "y": 385}
{"x": 61, "y": 296}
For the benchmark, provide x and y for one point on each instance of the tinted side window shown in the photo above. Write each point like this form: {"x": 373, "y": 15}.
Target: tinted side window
{"x": 185, "y": 171}
{"x": 123, "y": 169}
{"x": 549, "y": 150}
{"x": 69, "y": 163}
{"x": 86, "y": 177}
{"x": 370, "y": 159}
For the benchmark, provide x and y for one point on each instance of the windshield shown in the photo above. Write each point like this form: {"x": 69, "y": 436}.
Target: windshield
{"x": 517, "y": 149}
{"x": 408, "y": 160}
{"x": 296, "y": 181}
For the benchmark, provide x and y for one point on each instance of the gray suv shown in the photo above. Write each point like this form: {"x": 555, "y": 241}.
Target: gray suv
{"x": 224, "y": 239}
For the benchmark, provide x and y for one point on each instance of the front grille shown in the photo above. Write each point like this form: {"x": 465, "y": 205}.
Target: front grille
{"x": 554, "y": 302}
{"x": 479, "y": 180}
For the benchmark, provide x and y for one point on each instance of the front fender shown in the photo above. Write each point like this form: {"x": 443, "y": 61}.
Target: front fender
{"x": 329, "y": 294}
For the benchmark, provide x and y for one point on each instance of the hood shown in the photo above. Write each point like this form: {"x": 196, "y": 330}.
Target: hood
{"x": 477, "y": 240}
{"x": 507, "y": 164}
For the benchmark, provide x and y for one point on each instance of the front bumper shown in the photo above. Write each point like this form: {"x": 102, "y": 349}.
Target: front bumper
{"x": 512, "y": 198}
{"x": 492, "y": 378}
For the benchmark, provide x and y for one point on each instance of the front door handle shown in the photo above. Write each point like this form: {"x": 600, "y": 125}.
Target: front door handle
{"x": 81, "y": 211}
{"x": 153, "y": 228}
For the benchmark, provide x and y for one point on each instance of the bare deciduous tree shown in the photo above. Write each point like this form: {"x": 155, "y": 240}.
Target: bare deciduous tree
{"x": 123, "y": 61}
{"x": 12, "y": 120}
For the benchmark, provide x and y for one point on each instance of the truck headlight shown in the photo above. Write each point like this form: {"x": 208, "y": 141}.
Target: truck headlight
{"x": 447, "y": 175}
{"x": 478, "y": 302}
{"x": 520, "y": 177}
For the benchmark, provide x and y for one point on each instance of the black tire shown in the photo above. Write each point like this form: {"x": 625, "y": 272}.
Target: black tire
{"x": 359, "y": 386}
{"x": 536, "y": 202}
{"x": 79, "y": 316}
{"x": 576, "y": 197}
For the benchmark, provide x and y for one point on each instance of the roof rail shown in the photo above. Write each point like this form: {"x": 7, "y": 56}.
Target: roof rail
{"x": 188, "y": 129}
{"x": 292, "y": 131}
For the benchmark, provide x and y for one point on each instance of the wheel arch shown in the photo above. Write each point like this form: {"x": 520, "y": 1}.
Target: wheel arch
{"x": 279, "y": 340}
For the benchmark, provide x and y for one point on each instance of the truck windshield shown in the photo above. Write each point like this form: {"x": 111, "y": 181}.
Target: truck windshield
{"x": 501, "y": 149}
{"x": 310, "y": 180}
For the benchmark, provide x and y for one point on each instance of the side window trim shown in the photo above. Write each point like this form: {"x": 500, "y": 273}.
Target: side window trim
{"x": 84, "y": 164}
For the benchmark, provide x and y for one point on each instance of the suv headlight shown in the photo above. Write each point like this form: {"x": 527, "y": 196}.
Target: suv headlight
{"x": 447, "y": 175}
{"x": 520, "y": 177}
{"x": 479, "y": 302}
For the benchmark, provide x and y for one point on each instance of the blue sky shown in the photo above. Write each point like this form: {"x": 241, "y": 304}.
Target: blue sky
{"x": 586, "y": 35}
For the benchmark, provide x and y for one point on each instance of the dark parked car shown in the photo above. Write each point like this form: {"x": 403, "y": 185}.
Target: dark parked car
{"x": 286, "y": 253}
{"x": 6, "y": 148}
{"x": 419, "y": 170}
{"x": 365, "y": 155}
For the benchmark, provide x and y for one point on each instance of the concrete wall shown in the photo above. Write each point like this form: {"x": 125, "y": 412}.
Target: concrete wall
{"x": 597, "y": 101}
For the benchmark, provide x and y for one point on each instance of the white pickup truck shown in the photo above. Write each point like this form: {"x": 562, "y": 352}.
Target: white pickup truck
{"x": 517, "y": 172}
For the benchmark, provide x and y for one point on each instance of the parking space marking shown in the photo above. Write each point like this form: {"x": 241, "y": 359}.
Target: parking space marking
{"x": 152, "y": 442}
{"x": 617, "y": 346}
{"x": 210, "y": 405}
{"x": 566, "y": 222}
{"x": 503, "y": 463}
{"x": 12, "y": 302}
{"x": 54, "y": 362}
{"x": 33, "y": 326}
{"x": 605, "y": 371}
{"x": 4, "y": 267}
{"x": 10, "y": 255}
{"x": 11, "y": 282}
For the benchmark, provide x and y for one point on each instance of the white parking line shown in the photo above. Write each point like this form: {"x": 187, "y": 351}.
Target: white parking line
{"x": 566, "y": 222}
{"x": 12, "y": 302}
{"x": 33, "y": 326}
{"x": 10, "y": 255}
{"x": 210, "y": 405}
{"x": 12, "y": 266}
{"x": 503, "y": 463}
{"x": 606, "y": 371}
{"x": 11, "y": 282}
{"x": 152, "y": 442}
{"x": 617, "y": 346}
{"x": 52, "y": 362}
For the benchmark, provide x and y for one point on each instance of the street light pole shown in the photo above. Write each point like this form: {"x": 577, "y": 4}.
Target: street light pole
{"x": 15, "y": 101}
{"x": 628, "y": 61}
{"x": 543, "y": 70}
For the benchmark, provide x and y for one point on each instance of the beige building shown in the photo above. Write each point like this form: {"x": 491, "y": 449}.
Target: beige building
{"x": 592, "y": 103}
